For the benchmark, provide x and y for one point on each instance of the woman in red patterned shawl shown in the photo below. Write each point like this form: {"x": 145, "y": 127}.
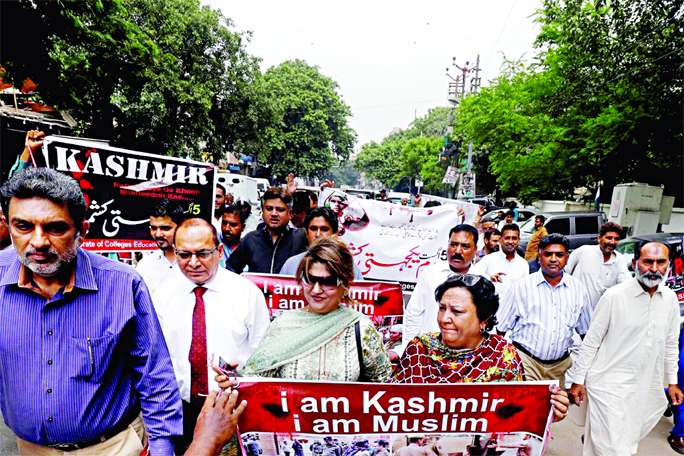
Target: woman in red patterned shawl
{"x": 464, "y": 350}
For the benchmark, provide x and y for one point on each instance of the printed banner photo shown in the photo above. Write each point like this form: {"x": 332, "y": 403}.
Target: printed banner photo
{"x": 392, "y": 242}
{"x": 120, "y": 187}
{"x": 336, "y": 418}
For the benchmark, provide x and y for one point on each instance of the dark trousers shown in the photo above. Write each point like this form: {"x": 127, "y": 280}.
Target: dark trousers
{"x": 190, "y": 414}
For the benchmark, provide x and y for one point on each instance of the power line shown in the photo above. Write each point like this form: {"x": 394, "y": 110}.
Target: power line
{"x": 500, "y": 34}
{"x": 398, "y": 104}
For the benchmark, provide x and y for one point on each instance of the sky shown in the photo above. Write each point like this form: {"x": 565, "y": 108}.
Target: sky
{"x": 388, "y": 57}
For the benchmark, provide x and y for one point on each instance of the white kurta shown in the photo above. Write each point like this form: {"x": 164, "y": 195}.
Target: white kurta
{"x": 497, "y": 262}
{"x": 630, "y": 349}
{"x": 597, "y": 275}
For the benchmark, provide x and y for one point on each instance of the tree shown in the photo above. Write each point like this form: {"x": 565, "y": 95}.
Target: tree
{"x": 159, "y": 75}
{"x": 382, "y": 161}
{"x": 420, "y": 160}
{"x": 312, "y": 131}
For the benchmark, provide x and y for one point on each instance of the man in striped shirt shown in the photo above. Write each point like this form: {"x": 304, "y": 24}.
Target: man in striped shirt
{"x": 83, "y": 353}
{"x": 543, "y": 310}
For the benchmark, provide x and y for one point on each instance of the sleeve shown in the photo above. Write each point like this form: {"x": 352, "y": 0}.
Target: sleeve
{"x": 672, "y": 344}
{"x": 375, "y": 359}
{"x": 290, "y": 267}
{"x": 584, "y": 319}
{"x": 17, "y": 167}
{"x": 409, "y": 366}
{"x": 259, "y": 317}
{"x": 238, "y": 259}
{"x": 413, "y": 314}
{"x": 153, "y": 376}
{"x": 573, "y": 259}
{"x": 592, "y": 341}
{"x": 508, "y": 312}
{"x": 513, "y": 370}
{"x": 623, "y": 272}
{"x": 481, "y": 268}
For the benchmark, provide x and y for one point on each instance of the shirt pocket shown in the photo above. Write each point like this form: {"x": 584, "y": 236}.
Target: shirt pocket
{"x": 91, "y": 357}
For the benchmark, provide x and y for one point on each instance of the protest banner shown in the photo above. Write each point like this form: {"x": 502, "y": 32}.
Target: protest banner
{"x": 120, "y": 187}
{"x": 373, "y": 299}
{"x": 392, "y": 242}
{"x": 442, "y": 418}
{"x": 675, "y": 278}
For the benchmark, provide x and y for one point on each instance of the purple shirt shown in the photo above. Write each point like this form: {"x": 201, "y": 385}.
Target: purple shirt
{"x": 75, "y": 366}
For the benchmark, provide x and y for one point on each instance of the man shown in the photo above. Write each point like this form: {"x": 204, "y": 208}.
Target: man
{"x": 383, "y": 195}
{"x": 268, "y": 247}
{"x": 599, "y": 267}
{"x": 330, "y": 448}
{"x": 5, "y": 240}
{"x": 86, "y": 350}
{"x": 158, "y": 266}
{"x": 492, "y": 238}
{"x": 414, "y": 448}
{"x": 320, "y": 222}
{"x": 619, "y": 369}
{"x": 505, "y": 267}
{"x": 532, "y": 250}
{"x": 208, "y": 312}
{"x": 542, "y": 311}
{"x": 219, "y": 202}
{"x": 233, "y": 222}
{"x": 420, "y": 316}
{"x": 508, "y": 219}
{"x": 301, "y": 205}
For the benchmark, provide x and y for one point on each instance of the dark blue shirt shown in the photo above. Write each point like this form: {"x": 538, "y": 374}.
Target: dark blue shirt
{"x": 75, "y": 366}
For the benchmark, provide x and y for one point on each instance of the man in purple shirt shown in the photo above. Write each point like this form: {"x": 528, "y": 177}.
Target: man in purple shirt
{"x": 83, "y": 353}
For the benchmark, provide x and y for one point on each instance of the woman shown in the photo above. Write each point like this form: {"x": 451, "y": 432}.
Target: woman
{"x": 319, "y": 341}
{"x": 464, "y": 350}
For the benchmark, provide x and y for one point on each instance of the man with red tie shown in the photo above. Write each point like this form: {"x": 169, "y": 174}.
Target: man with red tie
{"x": 205, "y": 311}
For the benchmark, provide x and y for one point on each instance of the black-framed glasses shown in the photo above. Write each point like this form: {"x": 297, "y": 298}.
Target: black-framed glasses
{"x": 326, "y": 283}
{"x": 201, "y": 255}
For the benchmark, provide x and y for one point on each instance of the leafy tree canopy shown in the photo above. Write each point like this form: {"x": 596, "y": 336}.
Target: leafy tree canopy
{"x": 311, "y": 134}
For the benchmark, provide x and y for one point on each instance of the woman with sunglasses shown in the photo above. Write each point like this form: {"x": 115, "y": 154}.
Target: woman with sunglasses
{"x": 326, "y": 340}
{"x": 464, "y": 350}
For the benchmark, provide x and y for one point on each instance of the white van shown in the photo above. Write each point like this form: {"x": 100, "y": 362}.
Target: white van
{"x": 262, "y": 184}
{"x": 239, "y": 186}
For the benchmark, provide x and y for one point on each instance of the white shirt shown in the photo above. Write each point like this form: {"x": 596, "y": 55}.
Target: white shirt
{"x": 496, "y": 262}
{"x": 236, "y": 318}
{"x": 587, "y": 265}
{"x": 542, "y": 318}
{"x": 420, "y": 315}
{"x": 630, "y": 349}
{"x": 155, "y": 269}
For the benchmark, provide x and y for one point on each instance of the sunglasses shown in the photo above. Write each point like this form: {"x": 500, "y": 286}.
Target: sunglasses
{"x": 468, "y": 279}
{"x": 326, "y": 283}
{"x": 201, "y": 255}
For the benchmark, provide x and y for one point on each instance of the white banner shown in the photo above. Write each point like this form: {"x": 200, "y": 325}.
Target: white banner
{"x": 393, "y": 242}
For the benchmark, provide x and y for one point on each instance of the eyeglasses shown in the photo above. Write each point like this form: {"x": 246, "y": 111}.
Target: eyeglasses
{"x": 201, "y": 255}
{"x": 468, "y": 279}
{"x": 326, "y": 283}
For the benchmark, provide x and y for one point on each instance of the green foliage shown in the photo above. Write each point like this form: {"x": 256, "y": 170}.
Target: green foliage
{"x": 311, "y": 133}
{"x": 411, "y": 153}
{"x": 159, "y": 75}
{"x": 344, "y": 174}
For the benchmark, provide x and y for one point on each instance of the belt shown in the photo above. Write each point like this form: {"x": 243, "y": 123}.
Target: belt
{"x": 116, "y": 429}
{"x": 539, "y": 360}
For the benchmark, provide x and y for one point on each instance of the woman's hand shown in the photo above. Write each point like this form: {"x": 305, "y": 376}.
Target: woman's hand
{"x": 223, "y": 381}
{"x": 560, "y": 403}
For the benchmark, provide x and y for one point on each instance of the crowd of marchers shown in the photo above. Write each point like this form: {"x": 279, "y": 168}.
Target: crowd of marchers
{"x": 101, "y": 358}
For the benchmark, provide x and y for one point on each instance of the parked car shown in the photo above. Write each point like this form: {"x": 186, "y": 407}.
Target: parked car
{"x": 675, "y": 277}
{"x": 523, "y": 215}
{"x": 580, "y": 228}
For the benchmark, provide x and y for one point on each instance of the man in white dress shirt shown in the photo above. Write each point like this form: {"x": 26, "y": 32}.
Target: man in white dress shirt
{"x": 631, "y": 347}
{"x": 599, "y": 267}
{"x": 504, "y": 267}
{"x": 420, "y": 315}
{"x": 205, "y": 311}
{"x": 543, "y": 310}
{"x": 157, "y": 267}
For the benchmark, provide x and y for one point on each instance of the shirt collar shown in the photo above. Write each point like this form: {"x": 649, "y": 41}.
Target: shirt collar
{"x": 81, "y": 276}
{"x": 214, "y": 283}
{"x": 637, "y": 289}
{"x": 539, "y": 278}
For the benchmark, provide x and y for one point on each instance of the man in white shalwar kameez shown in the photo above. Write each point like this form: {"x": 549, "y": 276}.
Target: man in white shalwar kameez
{"x": 630, "y": 348}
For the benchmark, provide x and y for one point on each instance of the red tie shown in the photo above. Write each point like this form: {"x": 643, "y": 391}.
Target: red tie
{"x": 198, "y": 351}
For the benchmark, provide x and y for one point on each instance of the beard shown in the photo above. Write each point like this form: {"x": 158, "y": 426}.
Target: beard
{"x": 49, "y": 269}
{"x": 649, "y": 279}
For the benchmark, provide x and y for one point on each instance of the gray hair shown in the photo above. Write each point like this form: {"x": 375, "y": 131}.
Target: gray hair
{"x": 48, "y": 184}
